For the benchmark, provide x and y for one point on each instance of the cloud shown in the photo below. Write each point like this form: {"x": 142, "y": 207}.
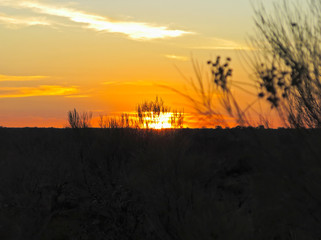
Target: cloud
{"x": 175, "y": 57}
{"x": 14, "y": 21}
{"x": 135, "y": 30}
{"x": 221, "y": 44}
{"x": 7, "y": 78}
{"x": 43, "y": 90}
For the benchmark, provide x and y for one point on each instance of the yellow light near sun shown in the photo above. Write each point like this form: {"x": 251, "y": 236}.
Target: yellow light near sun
{"x": 161, "y": 121}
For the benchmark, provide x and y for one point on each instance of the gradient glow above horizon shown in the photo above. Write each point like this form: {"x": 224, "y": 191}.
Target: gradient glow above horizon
{"x": 108, "y": 56}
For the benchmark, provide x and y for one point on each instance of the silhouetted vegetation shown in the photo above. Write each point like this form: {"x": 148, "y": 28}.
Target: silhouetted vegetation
{"x": 126, "y": 181}
{"x": 212, "y": 96}
{"x": 79, "y": 120}
{"x": 125, "y": 120}
{"x": 221, "y": 73}
{"x": 152, "y": 112}
{"x": 149, "y": 114}
{"x": 172, "y": 184}
{"x": 288, "y": 65}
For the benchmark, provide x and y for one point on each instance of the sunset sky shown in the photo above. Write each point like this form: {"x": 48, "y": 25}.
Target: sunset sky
{"x": 107, "y": 56}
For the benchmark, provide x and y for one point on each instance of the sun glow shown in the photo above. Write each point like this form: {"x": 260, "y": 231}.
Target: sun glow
{"x": 161, "y": 120}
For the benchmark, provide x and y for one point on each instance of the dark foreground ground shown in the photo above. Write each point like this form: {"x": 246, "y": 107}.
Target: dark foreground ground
{"x": 180, "y": 185}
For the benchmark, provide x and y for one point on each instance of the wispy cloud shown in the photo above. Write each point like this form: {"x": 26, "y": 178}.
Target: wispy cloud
{"x": 221, "y": 44}
{"x": 176, "y": 57}
{"x": 14, "y": 21}
{"x": 8, "y": 78}
{"x": 135, "y": 30}
{"x": 43, "y": 90}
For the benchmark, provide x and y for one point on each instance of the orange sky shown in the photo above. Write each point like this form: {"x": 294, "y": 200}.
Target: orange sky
{"x": 108, "y": 57}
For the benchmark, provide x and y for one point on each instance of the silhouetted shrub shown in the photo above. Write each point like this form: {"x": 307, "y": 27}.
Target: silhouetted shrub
{"x": 288, "y": 64}
{"x": 125, "y": 120}
{"x": 154, "y": 113}
{"x": 79, "y": 120}
{"x": 211, "y": 95}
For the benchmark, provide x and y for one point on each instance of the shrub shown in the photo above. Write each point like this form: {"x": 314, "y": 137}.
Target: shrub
{"x": 79, "y": 120}
{"x": 287, "y": 66}
{"x": 126, "y": 120}
{"x": 210, "y": 94}
{"x": 289, "y": 61}
{"x": 150, "y": 113}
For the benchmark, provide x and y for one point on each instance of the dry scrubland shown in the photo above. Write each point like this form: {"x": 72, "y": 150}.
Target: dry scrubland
{"x": 183, "y": 184}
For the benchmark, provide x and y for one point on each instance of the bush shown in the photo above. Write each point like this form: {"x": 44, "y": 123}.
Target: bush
{"x": 79, "y": 120}
{"x": 289, "y": 61}
{"x": 126, "y": 120}
{"x": 150, "y": 113}
{"x": 210, "y": 94}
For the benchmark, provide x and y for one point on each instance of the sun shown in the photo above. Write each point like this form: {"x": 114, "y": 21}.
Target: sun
{"x": 159, "y": 121}
{"x": 162, "y": 121}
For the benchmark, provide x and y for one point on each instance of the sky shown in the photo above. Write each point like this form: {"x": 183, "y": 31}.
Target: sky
{"x": 108, "y": 56}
